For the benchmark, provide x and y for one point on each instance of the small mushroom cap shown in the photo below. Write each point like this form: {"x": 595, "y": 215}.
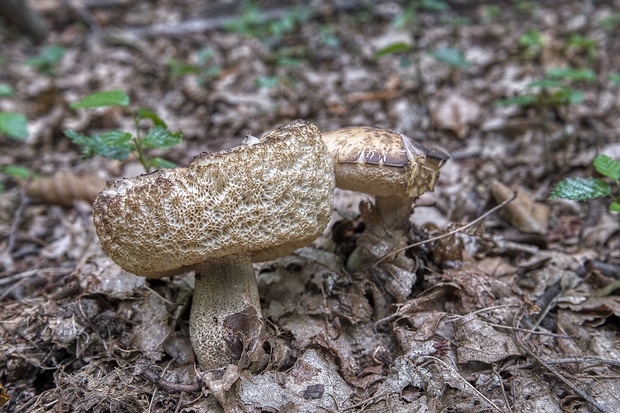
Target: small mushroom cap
{"x": 382, "y": 162}
{"x": 267, "y": 197}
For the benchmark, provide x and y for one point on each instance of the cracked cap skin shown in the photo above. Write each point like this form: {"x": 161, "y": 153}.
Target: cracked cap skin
{"x": 268, "y": 197}
{"x": 382, "y": 162}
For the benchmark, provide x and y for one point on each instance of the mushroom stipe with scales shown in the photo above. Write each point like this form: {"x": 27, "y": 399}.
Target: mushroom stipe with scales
{"x": 251, "y": 203}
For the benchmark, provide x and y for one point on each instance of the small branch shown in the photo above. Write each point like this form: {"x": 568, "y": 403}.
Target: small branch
{"x": 167, "y": 386}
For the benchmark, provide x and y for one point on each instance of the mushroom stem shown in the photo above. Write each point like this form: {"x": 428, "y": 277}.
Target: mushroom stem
{"x": 223, "y": 286}
{"x": 394, "y": 210}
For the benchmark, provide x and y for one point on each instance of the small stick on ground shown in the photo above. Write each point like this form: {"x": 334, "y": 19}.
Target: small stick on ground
{"x": 167, "y": 386}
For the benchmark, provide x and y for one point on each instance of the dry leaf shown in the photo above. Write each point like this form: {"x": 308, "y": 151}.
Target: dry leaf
{"x": 455, "y": 113}
{"x": 64, "y": 188}
{"x": 523, "y": 213}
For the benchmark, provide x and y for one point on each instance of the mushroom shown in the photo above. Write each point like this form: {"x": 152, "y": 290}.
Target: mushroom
{"x": 386, "y": 164}
{"x": 254, "y": 202}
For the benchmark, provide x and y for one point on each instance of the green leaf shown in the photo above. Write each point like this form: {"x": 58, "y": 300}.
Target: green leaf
{"x": 615, "y": 79}
{"x": 524, "y": 100}
{"x": 572, "y": 74}
{"x": 14, "y": 125}
{"x": 614, "y": 206}
{"x": 17, "y": 171}
{"x": 203, "y": 55}
{"x": 162, "y": 138}
{"x": 434, "y": 5}
{"x": 607, "y": 166}
{"x": 160, "y": 163}
{"x": 580, "y": 189}
{"x": 451, "y": 56}
{"x": 102, "y": 99}
{"x": 6, "y": 90}
{"x": 532, "y": 38}
{"x": 267, "y": 81}
{"x": 112, "y": 144}
{"x": 392, "y": 48}
{"x": 144, "y": 113}
{"x": 178, "y": 69}
{"x": 545, "y": 83}
{"x": 46, "y": 61}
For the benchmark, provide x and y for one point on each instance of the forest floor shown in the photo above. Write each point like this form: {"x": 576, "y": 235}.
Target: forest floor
{"x": 517, "y": 312}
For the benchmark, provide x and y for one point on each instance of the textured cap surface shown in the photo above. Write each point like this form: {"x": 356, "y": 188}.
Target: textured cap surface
{"x": 382, "y": 162}
{"x": 268, "y": 197}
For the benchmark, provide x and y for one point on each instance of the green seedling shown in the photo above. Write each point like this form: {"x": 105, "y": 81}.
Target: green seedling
{"x": 15, "y": 172}
{"x": 610, "y": 22}
{"x": 119, "y": 145}
{"x": 14, "y": 125}
{"x": 451, "y": 56}
{"x": 615, "y": 79}
{"x": 6, "y": 90}
{"x": 554, "y": 90}
{"x": 254, "y": 23}
{"x": 583, "y": 44}
{"x": 531, "y": 43}
{"x": 583, "y": 189}
{"x": 46, "y": 61}
{"x": 203, "y": 68}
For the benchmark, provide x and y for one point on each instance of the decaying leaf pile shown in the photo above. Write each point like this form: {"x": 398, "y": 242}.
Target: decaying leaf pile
{"x": 516, "y": 313}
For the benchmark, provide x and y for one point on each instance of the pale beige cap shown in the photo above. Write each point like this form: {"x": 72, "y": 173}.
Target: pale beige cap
{"x": 267, "y": 197}
{"x": 382, "y": 162}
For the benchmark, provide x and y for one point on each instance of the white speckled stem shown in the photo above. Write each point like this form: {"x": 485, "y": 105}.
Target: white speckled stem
{"x": 224, "y": 286}
{"x": 394, "y": 210}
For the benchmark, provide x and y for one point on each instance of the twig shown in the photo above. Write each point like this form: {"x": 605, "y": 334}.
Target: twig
{"x": 17, "y": 219}
{"x": 467, "y": 384}
{"x": 168, "y": 386}
{"x": 576, "y": 389}
{"x": 447, "y": 234}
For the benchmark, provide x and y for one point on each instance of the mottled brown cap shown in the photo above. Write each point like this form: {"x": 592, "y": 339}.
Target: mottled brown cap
{"x": 268, "y": 198}
{"x": 383, "y": 162}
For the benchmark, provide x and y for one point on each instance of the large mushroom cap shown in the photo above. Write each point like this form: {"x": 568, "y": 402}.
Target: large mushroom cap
{"x": 383, "y": 162}
{"x": 267, "y": 198}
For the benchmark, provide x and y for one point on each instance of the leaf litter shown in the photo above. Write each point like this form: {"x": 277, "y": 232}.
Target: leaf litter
{"x": 516, "y": 313}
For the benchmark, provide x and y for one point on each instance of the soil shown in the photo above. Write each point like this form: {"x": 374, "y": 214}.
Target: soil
{"x": 485, "y": 302}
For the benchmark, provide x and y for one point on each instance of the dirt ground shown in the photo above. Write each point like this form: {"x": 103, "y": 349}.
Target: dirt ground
{"x": 509, "y": 310}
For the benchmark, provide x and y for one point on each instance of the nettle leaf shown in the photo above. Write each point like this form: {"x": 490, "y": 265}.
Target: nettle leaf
{"x": 102, "y": 99}
{"x": 162, "y": 138}
{"x": 14, "y": 125}
{"x": 160, "y": 163}
{"x": 607, "y": 166}
{"x": 144, "y": 113}
{"x": 580, "y": 189}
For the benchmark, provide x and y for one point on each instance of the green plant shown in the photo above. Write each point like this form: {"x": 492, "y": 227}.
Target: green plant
{"x": 117, "y": 144}
{"x": 254, "y": 23}
{"x": 531, "y": 43}
{"x": 583, "y": 189}
{"x": 6, "y": 90}
{"x": 555, "y": 89}
{"x": 584, "y": 45}
{"x": 47, "y": 60}
{"x": 14, "y": 125}
{"x": 451, "y": 56}
{"x": 203, "y": 68}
